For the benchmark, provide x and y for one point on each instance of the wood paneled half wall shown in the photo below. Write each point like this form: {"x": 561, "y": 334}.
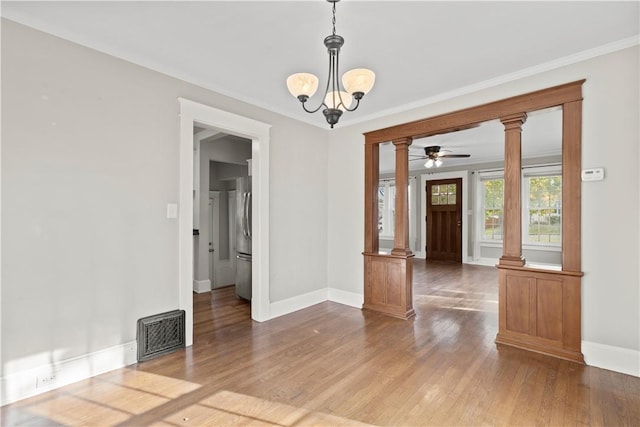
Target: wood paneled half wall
{"x": 539, "y": 309}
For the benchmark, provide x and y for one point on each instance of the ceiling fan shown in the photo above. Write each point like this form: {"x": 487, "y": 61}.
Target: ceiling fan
{"x": 434, "y": 154}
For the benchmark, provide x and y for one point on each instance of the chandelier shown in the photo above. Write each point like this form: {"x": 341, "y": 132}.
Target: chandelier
{"x": 356, "y": 82}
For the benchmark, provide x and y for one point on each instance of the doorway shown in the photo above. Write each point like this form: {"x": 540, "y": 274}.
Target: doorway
{"x": 444, "y": 220}
{"x": 193, "y": 113}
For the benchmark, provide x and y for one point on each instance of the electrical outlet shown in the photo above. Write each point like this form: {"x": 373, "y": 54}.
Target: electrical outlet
{"x": 46, "y": 381}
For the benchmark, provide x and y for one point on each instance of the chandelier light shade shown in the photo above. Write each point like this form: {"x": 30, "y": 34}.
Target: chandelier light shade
{"x": 336, "y": 100}
{"x": 341, "y": 100}
{"x": 304, "y": 84}
{"x": 358, "y": 80}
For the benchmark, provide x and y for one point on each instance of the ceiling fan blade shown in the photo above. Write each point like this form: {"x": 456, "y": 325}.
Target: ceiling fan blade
{"x": 418, "y": 158}
{"x": 453, "y": 155}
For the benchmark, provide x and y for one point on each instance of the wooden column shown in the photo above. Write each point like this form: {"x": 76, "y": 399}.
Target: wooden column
{"x": 571, "y": 185}
{"x": 388, "y": 278}
{"x": 401, "y": 226}
{"x": 371, "y": 178}
{"x": 512, "y": 219}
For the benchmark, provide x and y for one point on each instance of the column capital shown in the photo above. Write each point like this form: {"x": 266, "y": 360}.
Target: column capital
{"x": 513, "y": 121}
{"x": 402, "y": 141}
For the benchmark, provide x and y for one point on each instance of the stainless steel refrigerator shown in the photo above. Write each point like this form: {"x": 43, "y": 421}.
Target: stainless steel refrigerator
{"x": 243, "y": 238}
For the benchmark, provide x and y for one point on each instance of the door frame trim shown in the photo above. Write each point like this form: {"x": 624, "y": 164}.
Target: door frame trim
{"x": 464, "y": 174}
{"x": 193, "y": 113}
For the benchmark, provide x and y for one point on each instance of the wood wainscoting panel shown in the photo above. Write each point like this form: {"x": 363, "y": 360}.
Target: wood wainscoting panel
{"x": 388, "y": 284}
{"x": 539, "y": 310}
{"x": 517, "y": 292}
{"x": 549, "y": 302}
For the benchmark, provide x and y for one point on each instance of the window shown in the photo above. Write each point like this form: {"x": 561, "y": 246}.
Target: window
{"x": 541, "y": 206}
{"x": 492, "y": 197}
{"x": 386, "y": 207}
{"x": 444, "y": 194}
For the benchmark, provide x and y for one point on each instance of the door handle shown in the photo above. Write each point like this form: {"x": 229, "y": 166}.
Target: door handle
{"x": 459, "y": 223}
{"x": 211, "y": 250}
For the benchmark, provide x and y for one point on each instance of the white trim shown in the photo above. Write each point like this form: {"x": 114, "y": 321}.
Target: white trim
{"x": 351, "y": 299}
{"x": 466, "y": 215}
{"x": 289, "y": 305}
{"x": 201, "y": 286}
{"x": 490, "y": 262}
{"x": 31, "y": 382}
{"x": 618, "y": 359}
{"x": 194, "y": 113}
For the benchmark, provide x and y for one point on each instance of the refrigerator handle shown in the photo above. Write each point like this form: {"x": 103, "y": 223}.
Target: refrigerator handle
{"x": 249, "y": 230}
{"x": 245, "y": 228}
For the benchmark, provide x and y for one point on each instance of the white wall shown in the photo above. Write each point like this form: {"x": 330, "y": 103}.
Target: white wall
{"x": 90, "y": 161}
{"x": 610, "y": 211}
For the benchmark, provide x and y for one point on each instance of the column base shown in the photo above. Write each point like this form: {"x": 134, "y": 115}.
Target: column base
{"x": 512, "y": 261}
{"x": 406, "y": 252}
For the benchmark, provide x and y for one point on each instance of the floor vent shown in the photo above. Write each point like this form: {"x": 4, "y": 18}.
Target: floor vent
{"x": 160, "y": 334}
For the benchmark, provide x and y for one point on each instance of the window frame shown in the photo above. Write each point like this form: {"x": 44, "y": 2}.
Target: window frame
{"x": 486, "y": 175}
{"x": 538, "y": 172}
{"x": 390, "y": 206}
{"x": 533, "y": 171}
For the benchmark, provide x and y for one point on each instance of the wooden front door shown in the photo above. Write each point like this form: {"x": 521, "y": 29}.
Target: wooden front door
{"x": 444, "y": 220}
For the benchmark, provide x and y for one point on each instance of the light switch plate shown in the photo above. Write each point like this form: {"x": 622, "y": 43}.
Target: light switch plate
{"x": 595, "y": 174}
{"x": 172, "y": 210}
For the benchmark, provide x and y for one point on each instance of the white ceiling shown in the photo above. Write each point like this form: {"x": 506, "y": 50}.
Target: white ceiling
{"x": 420, "y": 50}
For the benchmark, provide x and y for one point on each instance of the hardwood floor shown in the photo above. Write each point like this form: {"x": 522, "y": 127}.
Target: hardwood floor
{"x": 336, "y": 365}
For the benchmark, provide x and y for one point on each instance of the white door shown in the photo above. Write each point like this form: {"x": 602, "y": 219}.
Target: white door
{"x": 222, "y": 255}
{"x": 214, "y": 227}
{"x": 232, "y": 231}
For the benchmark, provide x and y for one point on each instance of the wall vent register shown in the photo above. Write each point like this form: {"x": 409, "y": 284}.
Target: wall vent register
{"x": 160, "y": 334}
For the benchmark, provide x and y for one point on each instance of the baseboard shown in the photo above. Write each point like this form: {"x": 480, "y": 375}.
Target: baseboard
{"x": 31, "y": 382}
{"x": 613, "y": 358}
{"x": 351, "y": 299}
{"x": 490, "y": 262}
{"x": 289, "y": 305}
{"x": 201, "y": 286}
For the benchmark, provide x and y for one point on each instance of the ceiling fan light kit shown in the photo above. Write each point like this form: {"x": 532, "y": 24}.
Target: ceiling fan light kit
{"x": 356, "y": 82}
{"x": 434, "y": 156}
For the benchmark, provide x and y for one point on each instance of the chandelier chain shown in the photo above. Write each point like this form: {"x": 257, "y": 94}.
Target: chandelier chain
{"x": 333, "y": 21}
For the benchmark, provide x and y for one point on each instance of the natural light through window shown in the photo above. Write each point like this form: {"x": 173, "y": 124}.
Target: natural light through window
{"x": 543, "y": 211}
{"x": 541, "y": 206}
{"x": 493, "y": 208}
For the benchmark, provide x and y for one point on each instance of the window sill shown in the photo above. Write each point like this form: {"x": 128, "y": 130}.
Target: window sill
{"x": 548, "y": 248}
{"x": 528, "y": 247}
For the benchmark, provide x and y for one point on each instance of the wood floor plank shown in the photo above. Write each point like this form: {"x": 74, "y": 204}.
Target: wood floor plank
{"x": 335, "y": 365}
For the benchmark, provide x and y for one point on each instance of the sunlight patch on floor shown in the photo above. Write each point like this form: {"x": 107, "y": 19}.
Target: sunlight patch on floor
{"x": 229, "y": 408}
{"x": 104, "y": 400}
{"x": 458, "y": 303}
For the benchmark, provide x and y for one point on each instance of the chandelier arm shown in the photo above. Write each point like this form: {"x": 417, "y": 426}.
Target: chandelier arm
{"x": 354, "y": 108}
{"x": 336, "y": 71}
{"x": 336, "y": 82}
{"x": 312, "y": 111}
{"x": 326, "y": 90}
